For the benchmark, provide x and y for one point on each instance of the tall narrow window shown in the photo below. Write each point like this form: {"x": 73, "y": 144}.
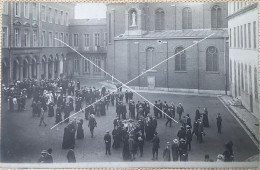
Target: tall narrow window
{"x": 241, "y": 34}
{"x": 62, "y": 39}
{"x": 34, "y": 11}
{"x": 76, "y": 64}
{"x": 43, "y": 13}
{"x": 56, "y": 16}
{"x": 61, "y": 18}
{"x": 35, "y": 38}
{"x": 86, "y": 66}
{"x": 67, "y": 38}
{"x": 5, "y": 8}
{"x": 186, "y": 18}
{"x": 50, "y": 39}
{"x": 43, "y": 39}
{"x": 246, "y": 81}
{"x": 235, "y": 38}
{"x": 50, "y": 15}
{"x": 96, "y": 39}
{"x": 105, "y": 39}
{"x": 245, "y": 37}
{"x": 26, "y": 38}
{"x": 17, "y": 34}
{"x": 26, "y": 9}
{"x": 86, "y": 38}
{"x": 159, "y": 20}
{"x": 242, "y": 77}
{"x": 4, "y": 37}
{"x": 254, "y": 33}
{"x": 230, "y": 71}
{"x": 150, "y": 57}
{"x": 256, "y": 83}
{"x": 216, "y": 17}
{"x": 76, "y": 40}
{"x": 238, "y": 37}
{"x": 56, "y": 42}
{"x": 66, "y": 19}
{"x": 17, "y": 9}
{"x": 180, "y": 59}
{"x": 230, "y": 37}
{"x": 97, "y": 61}
{"x": 109, "y": 28}
{"x": 249, "y": 35}
{"x": 212, "y": 59}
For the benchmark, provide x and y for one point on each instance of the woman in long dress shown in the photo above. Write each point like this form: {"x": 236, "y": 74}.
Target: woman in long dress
{"x": 205, "y": 119}
{"x": 80, "y": 131}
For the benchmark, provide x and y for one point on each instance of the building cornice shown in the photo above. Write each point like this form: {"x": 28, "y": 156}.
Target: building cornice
{"x": 243, "y": 10}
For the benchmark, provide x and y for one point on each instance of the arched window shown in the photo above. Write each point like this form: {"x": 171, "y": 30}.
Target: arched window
{"x": 150, "y": 57}
{"x": 216, "y": 17}
{"x": 159, "y": 20}
{"x": 180, "y": 59}
{"x": 186, "y": 18}
{"x": 212, "y": 59}
{"x": 132, "y": 20}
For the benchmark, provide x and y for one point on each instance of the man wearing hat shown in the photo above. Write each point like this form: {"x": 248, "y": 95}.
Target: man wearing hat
{"x": 180, "y": 110}
{"x": 219, "y": 123}
{"x": 183, "y": 150}
{"x": 188, "y": 137}
{"x": 167, "y": 152}
{"x": 107, "y": 139}
{"x": 175, "y": 150}
{"x": 42, "y": 159}
{"x": 92, "y": 124}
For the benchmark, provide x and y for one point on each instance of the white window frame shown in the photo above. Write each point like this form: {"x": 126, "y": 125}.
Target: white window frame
{"x": 19, "y": 9}
{"x": 43, "y": 40}
{"x": 5, "y": 43}
{"x": 74, "y": 40}
{"x": 105, "y": 39}
{"x": 62, "y": 39}
{"x": 17, "y": 40}
{"x": 5, "y": 8}
{"x": 66, "y": 39}
{"x": 94, "y": 38}
{"x": 86, "y": 40}
{"x": 44, "y": 12}
{"x": 56, "y": 42}
{"x": 35, "y": 41}
{"x": 27, "y": 38}
{"x": 61, "y": 18}
{"x": 66, "y": 20}
{"x": 50, "y": 39}
{"x": 56, "y": 16}
{"x": 26, "y": 12}
{"x": 34, "y": 11}
{"x": 86, "y": 65}
{"x": 50, "y": 15}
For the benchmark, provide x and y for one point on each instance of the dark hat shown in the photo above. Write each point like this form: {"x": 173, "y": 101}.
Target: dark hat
{"x": 155, "y": 133}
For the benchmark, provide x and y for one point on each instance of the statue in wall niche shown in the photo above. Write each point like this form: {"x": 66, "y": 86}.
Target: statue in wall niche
{"x": 133, "y": 18}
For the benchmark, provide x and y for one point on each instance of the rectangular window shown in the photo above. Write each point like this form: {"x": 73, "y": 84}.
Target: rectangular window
{"x": 67, "y": 38}
{"x": 26, "y": 38}
{"x": 109, "y": 28}
{"x": 86, "y": 38}
{"x": 235, "y": 38}
{"x": 105, "y": 39}
{"x": 249, "y": 35}
{"x": 26, "y": 10}
{"x": 35, "y": 38}
{"x": 66, "y": 20}
{"x": 86, "y": 66}
{"x": 56, "y": 16}
{"x": 17, "y": 9}
{"x": 246, "y": 83}
{"x": 242, "y": 77}
{"x": 17, "y": 41}
{"x": 61, "y": 18}
{"x": 241, "y": 33}
{"x": 4, "y": 37}
{"x": 96, "y": 39}
{"x": 43, "y": 39}
{"x": 97, "y": 62}
{"x": 43, "y": 13}
{"x": 230, "y": 37}
{"x": 50, "y": 39}
{"x": 50, "y": 15}
{"x": 75, "y": 40}
{"x": 254, "y": 33}
{"x": 238, "y": 37}
{"x": 5, "y": 8}
{"x": 62, "y": 39}
{"x": 34, "y": 11}
{"x": 245, "y": 37}
{"x": 56, "y": 42}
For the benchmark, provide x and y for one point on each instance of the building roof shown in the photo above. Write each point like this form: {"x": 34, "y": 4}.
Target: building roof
{"x": 198, "y": 33}
{"x": 95, "y": 21}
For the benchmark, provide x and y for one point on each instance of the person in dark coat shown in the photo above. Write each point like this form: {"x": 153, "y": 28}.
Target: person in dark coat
{"x": 165, "y": 109}
{"x": 71, "y": 156}
{"x": 67, "y": 137}
{"x": 51, "y": 109}
{"x": 80, "y": 130}
{"x": 160, "y": 108}
{"x": 175, "y": 150}
{"x": 48, "y": 158}
{"x": 183, "y": 150}
{"x": 156, "y": 145}
{"x": 188, "y": 137}
{"x": 34, "y": 108}
{"x": 197, "y": 114}
{"x": 169, "y": 116}
{"x": 196, "y": 129}
{"x": 156, "y": 109}
{"x": 67, "y": 111}
{"x": 228, "y": 153}
{"x": 116, "y": 122}
{"x": 58, "y": 115}
{"x": 219, "y": 123}
{"x": 181, "y": 133}
{"x": 107, "y": 139}
{"x": 140, "y": 142}
{"x": 116, "y": 136}
{"x": 126, "y": 154}
{"x": 92, "y": 124}
{"x": 167, "y": 153}
{"x": 205, "y": 119}
{"x": 200, "y": 131}
{"x": 188, "y": 120}
{"x": 180, "y": 110}
{"x": 123, "y": 111}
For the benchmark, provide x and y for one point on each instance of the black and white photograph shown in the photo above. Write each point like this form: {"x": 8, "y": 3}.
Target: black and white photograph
{"x": 149, "y": 84}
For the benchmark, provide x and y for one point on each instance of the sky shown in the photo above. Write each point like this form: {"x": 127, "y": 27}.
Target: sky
{"x": 90, "y": 10}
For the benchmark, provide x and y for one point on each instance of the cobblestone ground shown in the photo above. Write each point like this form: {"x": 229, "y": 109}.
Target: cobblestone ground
{"x": 23, "y": 140}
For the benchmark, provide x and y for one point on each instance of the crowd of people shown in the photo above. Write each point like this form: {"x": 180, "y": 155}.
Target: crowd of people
{"x": 56, "y": 97}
